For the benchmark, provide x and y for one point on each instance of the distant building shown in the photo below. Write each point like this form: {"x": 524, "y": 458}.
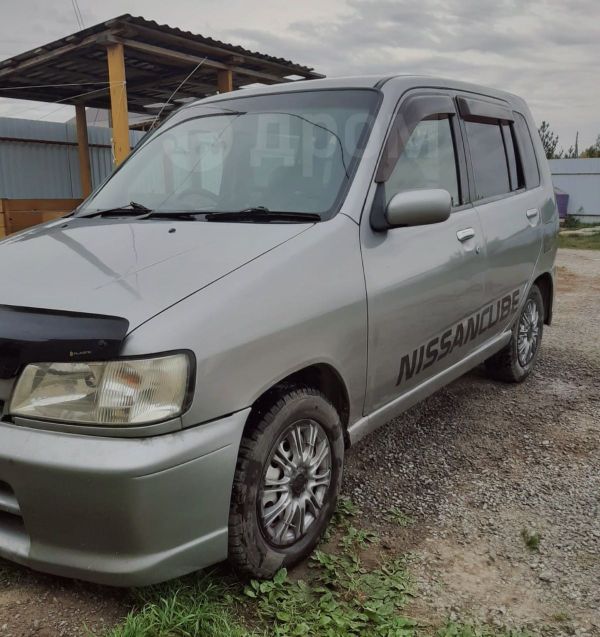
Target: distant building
{"x": 580, "y": 179}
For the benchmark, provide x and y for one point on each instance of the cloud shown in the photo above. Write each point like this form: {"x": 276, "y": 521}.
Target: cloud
{"x": 547, "y": 51}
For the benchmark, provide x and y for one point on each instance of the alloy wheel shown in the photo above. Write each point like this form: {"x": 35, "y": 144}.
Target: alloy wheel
{"x": 295, "y": 482}
{"x": 528, "y": 334}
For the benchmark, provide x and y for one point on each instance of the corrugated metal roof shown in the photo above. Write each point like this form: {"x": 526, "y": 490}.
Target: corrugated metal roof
{"x": 218, "y": 43}
{"x": 158, "y": 61}
{"x": 127, "y": 18}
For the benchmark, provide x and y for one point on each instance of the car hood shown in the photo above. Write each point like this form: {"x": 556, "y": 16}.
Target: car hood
{"x": 128, "y": 268}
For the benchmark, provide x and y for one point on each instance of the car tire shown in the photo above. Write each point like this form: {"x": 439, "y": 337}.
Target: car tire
{"x": 516, "y": 360}
{"x": 286, "y": 483}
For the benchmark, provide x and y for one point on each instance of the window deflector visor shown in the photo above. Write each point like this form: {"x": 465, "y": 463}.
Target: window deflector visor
{"x": 414, "y": 110}
{"x": 478, "y": 110}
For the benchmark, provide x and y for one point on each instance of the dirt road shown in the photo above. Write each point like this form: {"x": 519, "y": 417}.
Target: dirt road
{"x": 474, "y": 469}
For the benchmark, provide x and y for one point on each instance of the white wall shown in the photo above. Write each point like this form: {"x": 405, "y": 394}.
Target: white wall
{"x": 580, "y": 179}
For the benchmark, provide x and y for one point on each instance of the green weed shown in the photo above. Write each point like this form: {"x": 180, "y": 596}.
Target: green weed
{"x": 398, "y": 516}
{"x": 344, "y": 600}
{"x": 532, "y": 540}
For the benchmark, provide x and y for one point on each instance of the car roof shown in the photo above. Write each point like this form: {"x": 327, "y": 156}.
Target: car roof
{"x": 394, "y": 82}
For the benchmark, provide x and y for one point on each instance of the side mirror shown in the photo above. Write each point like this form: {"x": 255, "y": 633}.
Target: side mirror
{"x": 418, "y": 207}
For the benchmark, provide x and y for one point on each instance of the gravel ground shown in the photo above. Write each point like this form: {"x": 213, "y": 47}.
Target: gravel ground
{"x": 480, "y": 462}
{"x": 474, "y": 466}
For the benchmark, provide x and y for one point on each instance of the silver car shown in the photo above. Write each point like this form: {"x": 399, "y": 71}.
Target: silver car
{"x": 270, "y": 276}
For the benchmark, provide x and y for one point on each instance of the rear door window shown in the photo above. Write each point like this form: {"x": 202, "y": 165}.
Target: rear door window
{"x": 488, "y": 158}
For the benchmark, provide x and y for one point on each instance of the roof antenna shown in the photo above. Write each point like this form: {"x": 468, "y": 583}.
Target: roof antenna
{"x": 175, "y": 92}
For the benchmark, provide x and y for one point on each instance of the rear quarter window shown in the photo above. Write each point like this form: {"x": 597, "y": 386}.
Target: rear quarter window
{"x": 525, "y": 142}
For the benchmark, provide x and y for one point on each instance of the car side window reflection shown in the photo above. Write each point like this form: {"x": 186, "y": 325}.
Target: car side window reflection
{"x": 427, "y": 161}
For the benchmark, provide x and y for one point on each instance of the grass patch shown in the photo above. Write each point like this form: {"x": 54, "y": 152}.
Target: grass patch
{"x": 532, "y": 540}
{"x": 189, "y": 607}
{"x": 340, "y": 597}
{"x": 583, "y": 242}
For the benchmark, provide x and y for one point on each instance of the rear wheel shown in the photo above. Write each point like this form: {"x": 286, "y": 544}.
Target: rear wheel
{"x": 516, "y": 360}
{"x": 286, "y": 482}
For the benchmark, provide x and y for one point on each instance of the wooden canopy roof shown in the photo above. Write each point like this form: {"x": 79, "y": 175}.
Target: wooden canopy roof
{"x": 73, "y": 70}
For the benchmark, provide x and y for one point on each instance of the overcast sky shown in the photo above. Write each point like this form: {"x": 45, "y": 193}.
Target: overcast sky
{"x": 547, "y": 51}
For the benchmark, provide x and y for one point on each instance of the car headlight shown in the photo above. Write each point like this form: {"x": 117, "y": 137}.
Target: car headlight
{"x": 122, "y": 392}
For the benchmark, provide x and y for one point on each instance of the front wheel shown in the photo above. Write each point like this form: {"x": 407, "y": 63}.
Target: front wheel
{"x": 286, "y": 483}
{"x": 517, "y": 359}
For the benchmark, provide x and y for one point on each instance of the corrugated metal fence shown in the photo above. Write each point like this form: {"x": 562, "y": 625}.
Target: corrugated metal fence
{"x": 39, "y": 159}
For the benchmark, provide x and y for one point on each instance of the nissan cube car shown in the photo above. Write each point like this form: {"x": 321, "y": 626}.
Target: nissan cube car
{"x": 271, "y": 275}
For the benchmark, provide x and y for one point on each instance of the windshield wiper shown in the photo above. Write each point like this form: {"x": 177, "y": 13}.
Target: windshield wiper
{"x": 133, "y": 207}
{"x": 262, "y": 214}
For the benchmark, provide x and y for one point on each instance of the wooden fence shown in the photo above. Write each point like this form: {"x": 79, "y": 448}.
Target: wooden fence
{"x": 18, "y": 214}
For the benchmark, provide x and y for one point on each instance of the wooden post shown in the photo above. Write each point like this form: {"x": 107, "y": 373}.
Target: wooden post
{"x": 118, "y": 101}
{"x": 3, "y": 220}
{"x": 225, "y": 80}
{"x": 83, "y": 148}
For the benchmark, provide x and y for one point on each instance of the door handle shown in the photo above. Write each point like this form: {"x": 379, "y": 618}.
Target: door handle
{"x": 463, "y": 235}
{"x": 532, "y": 213}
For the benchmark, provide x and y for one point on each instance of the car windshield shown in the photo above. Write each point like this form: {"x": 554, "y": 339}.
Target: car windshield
{"x": 287, "y": 152}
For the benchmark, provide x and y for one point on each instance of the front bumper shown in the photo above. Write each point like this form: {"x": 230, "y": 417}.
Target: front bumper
{"x": 119, "y": 511}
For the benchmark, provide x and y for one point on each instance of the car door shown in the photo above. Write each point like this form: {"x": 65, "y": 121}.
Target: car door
{"x": 421, "y": 281}
{"x": 509, "y": 211}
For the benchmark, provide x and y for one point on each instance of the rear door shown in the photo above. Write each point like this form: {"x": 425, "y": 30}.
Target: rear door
{"x": 509, "y": 211}
{"x": 421, "y": 281}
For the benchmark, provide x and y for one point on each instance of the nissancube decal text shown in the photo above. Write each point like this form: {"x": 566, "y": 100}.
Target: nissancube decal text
{"x": 456, "y": 336}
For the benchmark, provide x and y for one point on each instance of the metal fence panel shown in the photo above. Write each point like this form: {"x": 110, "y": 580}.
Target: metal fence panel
{"x": 35, "y": 167}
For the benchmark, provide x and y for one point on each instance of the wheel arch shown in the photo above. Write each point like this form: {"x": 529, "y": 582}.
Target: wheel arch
{"x": 321, "y": 376}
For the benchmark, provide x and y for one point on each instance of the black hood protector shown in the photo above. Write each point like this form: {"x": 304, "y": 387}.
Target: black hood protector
{"x": 33, "y": 335}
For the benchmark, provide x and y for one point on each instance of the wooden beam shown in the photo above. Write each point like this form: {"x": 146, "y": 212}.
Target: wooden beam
{"x": 225, "y": 81}
{"x": 54, "y": 96}
{"x": 83, "y": 148}
{"x": 186, "y": 59}
{"x": 41, "y": 56}
{"x": 118, "y": 101}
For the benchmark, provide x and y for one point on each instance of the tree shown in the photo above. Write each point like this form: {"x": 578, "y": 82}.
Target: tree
{"x": 549, "y": 141}
{"x": 593, "y": 150}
